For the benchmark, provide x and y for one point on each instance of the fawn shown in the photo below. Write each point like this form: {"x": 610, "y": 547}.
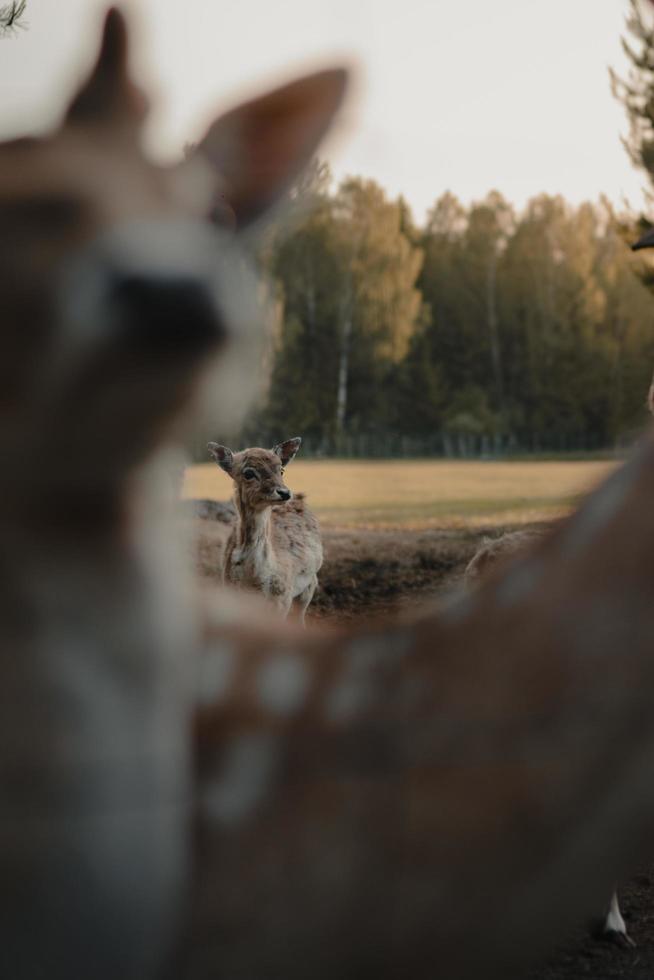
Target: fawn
{"x": 275, "y": 547}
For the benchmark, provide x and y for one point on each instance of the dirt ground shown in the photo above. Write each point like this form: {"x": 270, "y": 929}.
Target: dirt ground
{"x": 368, "y": 572}
{"x": 373, "y": 572}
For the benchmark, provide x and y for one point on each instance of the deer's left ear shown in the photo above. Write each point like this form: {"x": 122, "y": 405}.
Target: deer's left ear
{"x": 260, "y": 147}
{"x": 109, "y": 93}
{"x": 287, "y": 450}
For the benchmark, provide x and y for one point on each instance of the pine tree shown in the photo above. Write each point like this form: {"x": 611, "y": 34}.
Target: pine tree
{"x": 636, "y": 92}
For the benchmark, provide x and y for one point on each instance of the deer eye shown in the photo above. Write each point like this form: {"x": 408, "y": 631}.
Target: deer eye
{"x": 282, "y": 471}
{"x": 249, "y": 474}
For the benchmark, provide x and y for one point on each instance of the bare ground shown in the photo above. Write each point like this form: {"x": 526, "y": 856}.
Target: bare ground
{"x": 370, "y": 573}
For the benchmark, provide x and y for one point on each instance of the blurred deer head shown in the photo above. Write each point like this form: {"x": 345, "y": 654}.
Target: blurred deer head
{"x": 123, "y": 278}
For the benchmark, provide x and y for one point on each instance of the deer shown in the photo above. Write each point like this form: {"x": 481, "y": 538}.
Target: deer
{"x": 275, "y": 545}
{"x": 492, "y": 554}
{"x": 125, "y": 303}
{"x": 180, "y": 774}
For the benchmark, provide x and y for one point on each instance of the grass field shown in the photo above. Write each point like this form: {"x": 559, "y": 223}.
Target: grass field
{"x": 424, "y": 493}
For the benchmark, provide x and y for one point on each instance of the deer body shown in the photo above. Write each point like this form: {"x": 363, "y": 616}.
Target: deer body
{"x": 275, "y": 546}
{"x": 492, "y": 554}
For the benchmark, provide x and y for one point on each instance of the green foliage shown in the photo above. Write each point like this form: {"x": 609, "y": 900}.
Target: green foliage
{"x": 485, "y": 324}
{"x": 636, "y": 92}
{"x": 351, "y": 308}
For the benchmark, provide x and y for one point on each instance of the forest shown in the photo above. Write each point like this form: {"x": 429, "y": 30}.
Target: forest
{"x": 485, "y": 330}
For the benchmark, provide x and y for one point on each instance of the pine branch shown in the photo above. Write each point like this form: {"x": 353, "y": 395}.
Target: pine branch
{"x": 11, "y": 17}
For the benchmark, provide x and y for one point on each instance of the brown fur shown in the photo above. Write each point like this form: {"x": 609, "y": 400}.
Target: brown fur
{"x": 97, "y": 368}
{"x": 493, "y": 553}
{"x": 275, "y": 546}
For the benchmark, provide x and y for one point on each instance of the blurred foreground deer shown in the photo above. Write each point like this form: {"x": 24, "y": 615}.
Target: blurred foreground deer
{"x": 275, "y": 546}
{"x": 445, "y": 796}
{"x": 492, "y": 554}
{"x": 117, "y": 291}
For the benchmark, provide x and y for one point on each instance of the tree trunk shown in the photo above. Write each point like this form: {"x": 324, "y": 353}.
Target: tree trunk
{"x": 344, "y": 358}
{"x": 343, "y": 374}
{"x": 493, "y": 327}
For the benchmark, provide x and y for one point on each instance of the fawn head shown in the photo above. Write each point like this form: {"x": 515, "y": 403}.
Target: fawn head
{"x": 257, "y": 473}
{"x": 122, "y": 278}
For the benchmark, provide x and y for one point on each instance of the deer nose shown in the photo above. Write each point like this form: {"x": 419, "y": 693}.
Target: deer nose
{"x": 167, "y": 314}
{"x": 283, "y": 493}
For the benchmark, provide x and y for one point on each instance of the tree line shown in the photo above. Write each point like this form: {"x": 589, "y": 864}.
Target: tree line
{"x": 485, "y": 329}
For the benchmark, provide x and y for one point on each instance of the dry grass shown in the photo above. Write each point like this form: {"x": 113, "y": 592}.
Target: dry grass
{"x": 425, "y": 493}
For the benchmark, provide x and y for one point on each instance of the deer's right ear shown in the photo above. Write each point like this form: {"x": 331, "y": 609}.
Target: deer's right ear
{"x": 109, "y": 92}
{"x": 260, "y": 147}
{"x": 223, "y": 456}
{"x": 288, "y": 450}
{"x": 645, "y": 241}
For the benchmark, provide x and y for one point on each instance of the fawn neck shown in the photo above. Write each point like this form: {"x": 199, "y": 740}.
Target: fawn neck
{"x": 253, "y": 526}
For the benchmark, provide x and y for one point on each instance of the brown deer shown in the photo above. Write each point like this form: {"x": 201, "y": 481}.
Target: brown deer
{"x": 118, "y": 292}
{"x": 496, "y": 552}
{"x": 491, "y": 556}
{"x": 275, "y": 546}
{"x": 369, "y": 802}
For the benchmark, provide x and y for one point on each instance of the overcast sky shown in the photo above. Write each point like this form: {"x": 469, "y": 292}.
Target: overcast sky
{"x": 465, "y": 95}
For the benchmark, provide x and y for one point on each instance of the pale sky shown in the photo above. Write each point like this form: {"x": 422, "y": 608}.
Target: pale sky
{"x": 465, "y": 95}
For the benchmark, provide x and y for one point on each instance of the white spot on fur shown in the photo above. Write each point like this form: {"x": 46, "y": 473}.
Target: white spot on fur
{"x": 216, "y": 674}
{"x": 282, "y": 684}
{"x": 519, "y": 583}
{"x": 354, "y": 689}
{"x": 246, "y": 775}
{"x": 457, "y": 605}
{"x": 365, "y": 654}
{"x": 347, "y": 699}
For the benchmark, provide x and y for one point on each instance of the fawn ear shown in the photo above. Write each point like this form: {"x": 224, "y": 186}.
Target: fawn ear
{"x": 645, "y": 241}
{"x": 223, "y": 456}
{"x": 287, "y": 450}
{"x": 109, "y": 93}
{"x": 260, "y": 147}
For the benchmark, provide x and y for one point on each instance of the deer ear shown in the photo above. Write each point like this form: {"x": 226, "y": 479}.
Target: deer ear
{"x": 223, "y": 456}
{"x": 287, "y": 450}
{"x": 645, "y": 241}
{"x": 260, "y": 147}
{"x": 109, "y": 92}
